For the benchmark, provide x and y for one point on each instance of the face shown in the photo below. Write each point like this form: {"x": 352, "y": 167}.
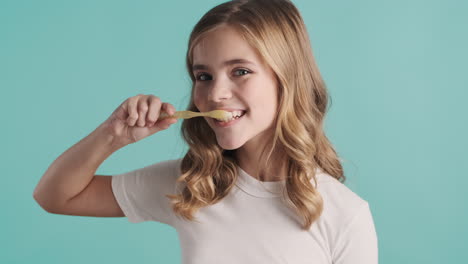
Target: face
{"x": 231, "y": 75}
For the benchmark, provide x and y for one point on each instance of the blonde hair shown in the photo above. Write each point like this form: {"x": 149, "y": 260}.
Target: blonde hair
{"x": 276, "y": 30}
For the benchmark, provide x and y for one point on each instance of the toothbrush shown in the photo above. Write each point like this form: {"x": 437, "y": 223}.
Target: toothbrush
{"x": 217, "y": 114}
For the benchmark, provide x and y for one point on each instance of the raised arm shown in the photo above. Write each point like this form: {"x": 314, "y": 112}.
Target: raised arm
{"x": 70, "y": 186}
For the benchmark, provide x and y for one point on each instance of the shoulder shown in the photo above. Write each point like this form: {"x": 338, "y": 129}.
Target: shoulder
{"x": 340, "y": 203}
{"x": 159, "y": 173}
{"x": 141, "y": 193}
{"x": 167, "y": 167}
{"x": 348, "y": 222}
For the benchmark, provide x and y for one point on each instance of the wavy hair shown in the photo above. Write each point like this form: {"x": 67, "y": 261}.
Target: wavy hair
{"x": 275, "y": 29}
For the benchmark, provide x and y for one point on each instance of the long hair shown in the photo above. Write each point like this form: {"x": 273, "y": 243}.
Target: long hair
{"x": 275, "y": 29}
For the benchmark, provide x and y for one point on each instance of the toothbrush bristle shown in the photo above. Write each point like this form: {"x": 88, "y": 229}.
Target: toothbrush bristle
{"x": 223, "y": 115}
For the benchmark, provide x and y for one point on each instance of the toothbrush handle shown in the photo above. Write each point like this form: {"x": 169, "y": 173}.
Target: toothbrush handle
{"x": 181, "y": 114}
{"x": 166, "y": 115}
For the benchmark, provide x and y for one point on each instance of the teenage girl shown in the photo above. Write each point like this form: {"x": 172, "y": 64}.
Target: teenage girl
{"x": 264, "y": 187}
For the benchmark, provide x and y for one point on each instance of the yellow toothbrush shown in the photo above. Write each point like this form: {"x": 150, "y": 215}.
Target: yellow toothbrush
{"x": 218, "y": 114}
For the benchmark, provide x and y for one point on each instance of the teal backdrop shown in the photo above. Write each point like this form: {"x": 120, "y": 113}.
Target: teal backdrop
{"x": 396, "y": 72}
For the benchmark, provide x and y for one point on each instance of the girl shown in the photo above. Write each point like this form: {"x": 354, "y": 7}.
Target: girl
{"x": 264, "y": 187}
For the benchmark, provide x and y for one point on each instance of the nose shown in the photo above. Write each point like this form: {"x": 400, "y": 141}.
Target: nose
{"x": 219, "y": 91}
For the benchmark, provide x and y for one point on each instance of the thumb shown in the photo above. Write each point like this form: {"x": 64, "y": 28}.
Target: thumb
{"x": 162, "y": 124}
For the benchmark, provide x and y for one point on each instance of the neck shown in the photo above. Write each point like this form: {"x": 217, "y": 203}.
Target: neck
{"x": 249, "y": 158}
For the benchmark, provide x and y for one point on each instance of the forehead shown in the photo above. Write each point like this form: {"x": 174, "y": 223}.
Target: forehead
{"x": 221, "y": 44}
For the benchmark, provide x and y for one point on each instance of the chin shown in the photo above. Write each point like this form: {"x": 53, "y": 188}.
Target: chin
{"x": 230, "y": 145}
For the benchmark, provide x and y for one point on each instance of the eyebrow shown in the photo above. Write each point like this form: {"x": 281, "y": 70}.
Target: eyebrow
{"x": 226, "y": 63}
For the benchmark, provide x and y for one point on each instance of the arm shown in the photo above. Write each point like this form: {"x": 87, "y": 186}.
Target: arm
{"x": 69, "y": 185}
{"x": 74, "y": 170}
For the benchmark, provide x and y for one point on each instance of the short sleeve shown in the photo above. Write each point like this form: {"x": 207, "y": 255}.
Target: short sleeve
{"x": 357, "y": 242}
{"x": 141, "y": 193}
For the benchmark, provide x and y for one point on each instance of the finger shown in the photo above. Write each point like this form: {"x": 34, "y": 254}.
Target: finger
{"x": 164, "y": 109}
{"x": 154, "y": 110}
{"x": 131, "y": 107}
{"x": 162, "y": 124}
{"x": 170, "y": 109}
{"x": 142, "y": 109}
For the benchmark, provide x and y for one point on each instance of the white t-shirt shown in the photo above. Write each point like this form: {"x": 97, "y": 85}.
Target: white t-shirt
{"x": 252, "y": 224}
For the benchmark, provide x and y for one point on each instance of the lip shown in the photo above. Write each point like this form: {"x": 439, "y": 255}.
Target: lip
{"x": 229, "y": 109}
{"x": 228, "y": 124}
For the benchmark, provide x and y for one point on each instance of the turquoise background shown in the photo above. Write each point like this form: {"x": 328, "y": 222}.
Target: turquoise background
{"x": 396, "y": 72}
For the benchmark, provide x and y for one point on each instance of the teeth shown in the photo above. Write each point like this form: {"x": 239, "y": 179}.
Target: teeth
{"x": 234, "y": 115}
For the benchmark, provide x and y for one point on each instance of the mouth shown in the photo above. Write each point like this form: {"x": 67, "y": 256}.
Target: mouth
{"x": 235, "y": 117}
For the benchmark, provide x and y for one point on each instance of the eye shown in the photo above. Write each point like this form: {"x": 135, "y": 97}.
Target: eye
{"x": 203, "y": 77}
{"x": 240, "y": 72}
{"x": 206, "y": 77}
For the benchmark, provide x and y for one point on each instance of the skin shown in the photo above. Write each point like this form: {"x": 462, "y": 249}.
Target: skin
{"x": 249, "y": 85}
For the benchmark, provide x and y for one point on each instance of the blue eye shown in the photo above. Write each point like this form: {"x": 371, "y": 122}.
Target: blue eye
{"x": 203, "y": 77}
{"x": 241, "y": 71}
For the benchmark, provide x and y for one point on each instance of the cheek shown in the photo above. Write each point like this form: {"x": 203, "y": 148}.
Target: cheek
{"x": 265, "y": 101}
{"x": 198, "y": 98}
{"x": 264, "y": 93}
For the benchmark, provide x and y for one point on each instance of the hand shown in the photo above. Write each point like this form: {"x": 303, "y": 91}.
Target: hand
{"x": 138, "y": 117}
